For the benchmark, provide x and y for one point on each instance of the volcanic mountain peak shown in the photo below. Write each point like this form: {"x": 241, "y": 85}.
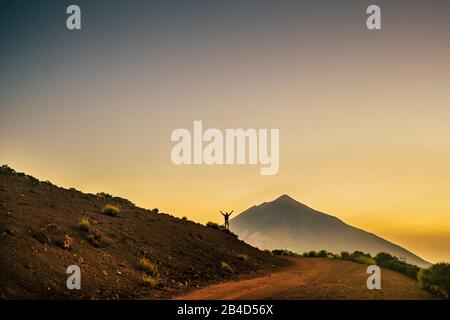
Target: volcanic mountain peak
{"x": 286, "y": 198}
{"x": 288, "y": 224}
{"x": 285, "y": 206}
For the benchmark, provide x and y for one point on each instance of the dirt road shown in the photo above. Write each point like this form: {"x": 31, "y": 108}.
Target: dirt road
{"x": 314, "y": 278}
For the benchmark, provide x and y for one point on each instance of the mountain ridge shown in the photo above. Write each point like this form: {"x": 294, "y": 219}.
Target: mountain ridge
{"x": 289, "y": 224}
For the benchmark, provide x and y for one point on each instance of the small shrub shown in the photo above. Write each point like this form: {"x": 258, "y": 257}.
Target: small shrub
{"x": 436, "y": 279}
{"x": 216, "y": 226}
{"x": 150, "y": 281}
{"x": 85, "y": 224}
{"x": 111, "y": 210}
{"x": 155, "y": 210}
{"x": 322, "y": 254}
{"x": 284, "y": 252}
{"x": 108, "y": 197}
{"x": 227, "y": 267}
{"x": 184, "y": 218}
{"x": 359, "y": 257}
{"x": 104, "y": 195}
{"x": 312, "y": 254}
{"x": 148, "y": 266}
{"x": 242, "y": 257}
{"x": 365, "y": 260}
{"x": 277, "y": 252}
{"x": 213, "y": 225}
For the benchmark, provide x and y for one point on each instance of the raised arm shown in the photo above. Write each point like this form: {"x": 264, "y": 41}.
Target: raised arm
{"x": 230, "y": 213}
{"x": 222, "y": 213}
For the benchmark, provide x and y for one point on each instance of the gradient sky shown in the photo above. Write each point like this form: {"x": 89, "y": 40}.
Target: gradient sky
{"x": 363, "y": 115}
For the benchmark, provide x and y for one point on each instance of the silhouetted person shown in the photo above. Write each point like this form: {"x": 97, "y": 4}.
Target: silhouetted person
{"x": 226, "y": 215}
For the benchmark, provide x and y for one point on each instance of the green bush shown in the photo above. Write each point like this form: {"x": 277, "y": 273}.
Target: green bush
{"x": 107, "y": 197}
{"x": 358, "y": 256}
{"x": 436, "y": 279}
{"x": 213, "y": 225}
{"x": 149, "y": 281}
{"x": 322, "y": 254}
{"x": 243, "y": 257}
{"x": 383, "y": 260}
{"x": 386, "y": 260}
{"x": 312, "y": 254}
{"x": 226, "y": 266}
{"x": 85, "y": 223}
{"x": 318, "y": 254}
{"x": 364, "y": 258}
{"x": 284, "y": 252}
{"x": 148, "y": 266}
{"x": 111, "y": 210}
{"x": 220, "y": 228}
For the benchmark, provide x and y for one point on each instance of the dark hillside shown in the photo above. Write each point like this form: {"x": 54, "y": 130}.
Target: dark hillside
{"x": 40, "y": 235}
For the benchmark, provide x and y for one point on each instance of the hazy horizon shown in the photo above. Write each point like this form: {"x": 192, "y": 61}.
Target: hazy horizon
{"x": 363, "y": 115}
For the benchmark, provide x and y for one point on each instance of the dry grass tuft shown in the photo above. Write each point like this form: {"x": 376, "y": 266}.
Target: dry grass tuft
{"x": 243, "y": 257}
{"x": 85, "y": 224}
{"x": 227, "y": 267}
{"x": 149, "y": 267}
{"x": 150, "y": 281}
{"x": 111, "y": 210}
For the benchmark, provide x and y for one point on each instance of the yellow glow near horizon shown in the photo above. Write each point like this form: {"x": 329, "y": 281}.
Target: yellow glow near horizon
{"x": 417, "y": 221}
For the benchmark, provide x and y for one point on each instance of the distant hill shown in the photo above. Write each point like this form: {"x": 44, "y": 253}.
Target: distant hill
{"x": 288, "y": 224}
{"x": 40, "y": 236}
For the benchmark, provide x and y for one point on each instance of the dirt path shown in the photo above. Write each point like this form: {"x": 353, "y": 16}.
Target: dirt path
{"x": 314, "y": 278}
